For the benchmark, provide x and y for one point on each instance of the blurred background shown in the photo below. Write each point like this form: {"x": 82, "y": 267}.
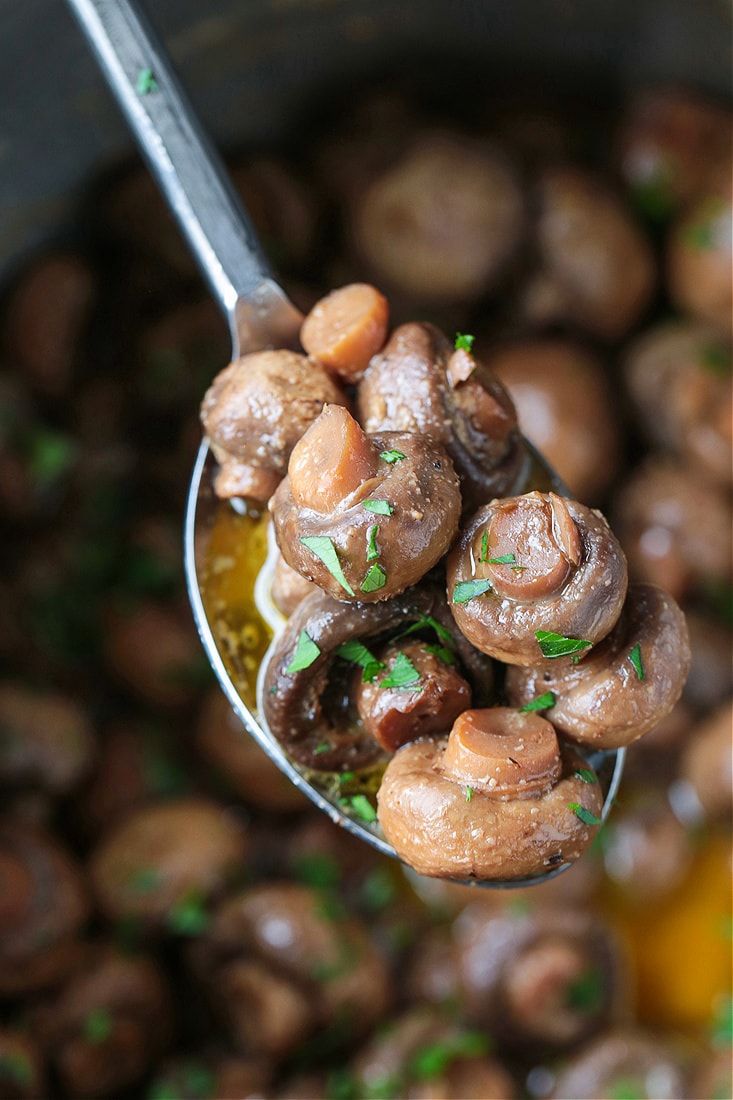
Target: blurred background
{"x": 174, "y": 920}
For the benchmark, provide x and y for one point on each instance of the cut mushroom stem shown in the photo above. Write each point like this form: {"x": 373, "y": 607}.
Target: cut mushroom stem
{"x": 503, "y": 753}
{"x": 331, "y": 461}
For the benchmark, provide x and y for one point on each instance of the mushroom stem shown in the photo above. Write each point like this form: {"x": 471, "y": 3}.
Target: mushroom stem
{"x": 503, "y": 753}
{"x": 331, "y": 461}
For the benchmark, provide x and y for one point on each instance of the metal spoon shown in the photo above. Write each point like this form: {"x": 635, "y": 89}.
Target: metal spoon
{"x": 194, "y": 183}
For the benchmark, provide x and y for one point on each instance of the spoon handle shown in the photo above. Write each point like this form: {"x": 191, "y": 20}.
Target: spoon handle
{"x": 189, "y": 172}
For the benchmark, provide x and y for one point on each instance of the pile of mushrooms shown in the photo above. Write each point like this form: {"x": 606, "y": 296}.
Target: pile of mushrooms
{"x": 446, "y": 626}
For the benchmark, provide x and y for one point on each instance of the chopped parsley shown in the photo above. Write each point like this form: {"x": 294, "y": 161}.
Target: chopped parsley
{"x": 392, "y": 456}
{"x": 316, "y": 869}
{"x": 320, "y": 749}
{"x": 586, "y": 993}
{"x": 442, "y": 652}
{"x": 584, "y": 815}
{"x": 379, "y": 507}
{"x": 469, "y": 794}
{"x": 635, "y": 658}
{"x": 372, "y": 549}
{"x": 467, "y": 590}
{"x": 323, "y": 548}
{"x": 358, "y": 654}
{"x": 346, "y": 777}
{"x": 97, "y": 1026}
{"x": 503, "y": 559}
{"x": 586, "y": 775}
{"x": 144, "y": 879}
{"x": 146, "y": 82}
{"x": 423, "y": 621}
{"x": 188, "y": 916}
{"x": 361, "y": 806}
{"x": 464, "y": 342}
{"x": 556, "y": 645}
{"x": 375, "y": 578}
{"x": 403, "y": 673}
{"x": 542, "y": 702}
{"x": 716, "y": 359}
{"x": 432, "y": 1061}
{"x": 306, "y": 652}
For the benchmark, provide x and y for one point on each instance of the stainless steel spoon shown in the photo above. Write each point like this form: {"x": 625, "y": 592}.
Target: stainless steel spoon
{"x": 194, "y": 183}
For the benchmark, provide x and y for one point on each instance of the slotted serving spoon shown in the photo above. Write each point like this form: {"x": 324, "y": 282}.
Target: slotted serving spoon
{"x": 220, "y": 235}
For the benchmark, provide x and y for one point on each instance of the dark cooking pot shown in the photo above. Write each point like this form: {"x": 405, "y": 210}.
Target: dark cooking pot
{"x": 252, "y": 67}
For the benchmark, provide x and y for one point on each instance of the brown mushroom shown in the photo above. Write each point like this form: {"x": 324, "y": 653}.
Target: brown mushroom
{"x": 622, "y": 1058}
{"x": 256, "y": 410}
{"x": 536, "y": 577}
{"x": 166, "y": 859}
{"x": 306, "y": 702}
{"x": 497, "y": 799}
{"x": 595, "y": 267}
{"x": 546, "y": 976}
{"x": 420, "y": 383}
{"x": 700, "y": 258}
{"x": 44, "y": 906}
{"x": 212, "y": 1076}
{"x": 288, "y": 586}
{"x": 707, "y": 764}
{"x": 647, "y": 852}
{"x": 627, "y": 684}
{"x": 104, "y": 1029}
{"x": 346, "y": 328}
{"x": 364, "y": 517}
{"x": 46, "y": 740}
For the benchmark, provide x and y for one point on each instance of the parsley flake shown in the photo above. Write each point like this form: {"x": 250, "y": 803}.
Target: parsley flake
{"x": 306, "y": 652}
{"x": 635, "y": 658}
{"x": 97, "y": 1026}
{"x": 392, "y": 456}
{"x": 467, "y": 590}
{"x": 587, "y": 775}
{"x": 403, "y": 673}
{"x": 358, "y": 654}
{"x": 442, "y": 652}
{"x": 323, "y": 548}
{"x": 469, "y": 794}
{"x": 556, "y": 645}
{"x": 379, "y": 507}
{"x": 372, "y": 549}
{"x": 188, "y": 916}
{"x": 320, "y": 749}
{"x": 146, "y": 82}
{"x": 361, "y": 806}
{"x": 423, "y": 621}
{"x": 584, "y": 815}
{"x": 464, "y": 342}
{"x": 375, "y": 579}
{"x": 543, "y": 702}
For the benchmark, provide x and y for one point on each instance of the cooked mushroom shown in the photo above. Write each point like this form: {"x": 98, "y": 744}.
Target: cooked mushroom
{"x": 365, "y": 517}
{"x": 44, "y": 906}
{"x": 536, "y": 577}
{"x": 443, "y": 222}
{"x": 710, "y": 681}
{"x": 678, "y": 375}
{"x": 595, "y": 267}
{"x": 700, "y": 258}
{"x": 304, "y": 697}
{"x": 647, "y": 853}
{"x": 288, "y": 586}
{"x": 633, "y": 1060}
{"x": 167, "y": 859}
{"x": 211, "y": 1075}
{"x": 707, "y": 763}
{"x": 628, "y": 682}
{"x": 46, "y": 740}
{"x": 346, "y": 328}
{"x": 419, "y": 383}
{"x": 254, "y": 413}
{"x": 104, "y": 1029}
{"x": 283, "y": 208}
{"x": 546, "y": 976}
{"x": 497, "y": 799}
{"x": 565, "y": 405}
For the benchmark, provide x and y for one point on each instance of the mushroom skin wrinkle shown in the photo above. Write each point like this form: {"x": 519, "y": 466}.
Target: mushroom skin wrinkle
{"x": 567, "y": 575}
{"x": 602, "y": 702}
{"x": 440, "y": 811}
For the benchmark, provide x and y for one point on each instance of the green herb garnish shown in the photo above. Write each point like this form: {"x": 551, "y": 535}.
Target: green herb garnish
{"x": 97, "y": 1026}
{"x": 379, "y": 507}
{"x": 188, "y": 916}
{"x": 361, "y": 806}
{"x": 586, "y": 775}
{"x": 144, "y": 879}
{"x": 306, "y": 652}
{"x": 16, "y": 1068}
{"x": 469, "y": 794}
{"x": 556, "y": 645}
{"x": 542, "y": 702}
{"x": 375, "y": 578}
{"x": 391, "y": 456}
{"x": 317, "y": 869}
{"x": 403, "y": 673}
{"x": 323, "y": 747}
{"x": 467, "y": 590}
{"x": 442, "y": 652}
{"x": 146, "y": 82}
{"x": 346, "y": 777}
{"x": 627, "y": 1088}
{"x": 635, "y": 658}
{"x": 584, "y": 815}
{"x": 424, "y": 621}
{"x": 372, "y": 549}
{"x": 358, "y": 654}
{"x": 323, "y": 548}
{"x": 464, "y": 342}
{"x": 586, "y": 993}
{"x": 715, "y": 359}
{"x": 433, "y": 1061}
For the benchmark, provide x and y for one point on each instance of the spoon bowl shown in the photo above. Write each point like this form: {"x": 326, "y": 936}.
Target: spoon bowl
{"x": 194, "y": 183}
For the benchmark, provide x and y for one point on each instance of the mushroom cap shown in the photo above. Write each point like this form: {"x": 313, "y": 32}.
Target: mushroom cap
{"x": 442, "y": 826}
{"x": 603, "y": 701}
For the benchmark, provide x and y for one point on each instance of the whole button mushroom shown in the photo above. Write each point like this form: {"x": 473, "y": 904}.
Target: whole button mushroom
{"x": 548, "y": 976}
{"x": 309, "y": 669}
{"x": 497, "y": 799}
{"x": 700, "y": 258}
{"x": 706, "y": 763}
{"x": 420, "y": 383}
{"x": 626, "y": 685}
{"x": 164, "y": 861}
{"x": 44, "y": 906}
{"x": 254, "y": 413}
{"x": 536, "y": 577}
{"x": 47, "y": 741}
{"x": 365, "y": 517}
{"x": 622, "y": 1059}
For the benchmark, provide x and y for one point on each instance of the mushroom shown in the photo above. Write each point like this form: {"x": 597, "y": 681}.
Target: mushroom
{"x": 164, "y": 861}
{"x": 96, "y": 1031}
{"x": 346, "y": 328}
{"x": 499, "y": 798}
{"x": 213, "y": 1076}
{"x": 700, "y": 257}
{"x": 364, "y": 517}
{"x": 546, "y": 976}
{"x": 626, "y": 685}
{"x": 288, "y": 586}
{"x": 536, "y": 577}
{"x": 706, "y": 764}
{"x": 22, "y": 1072}
{"x": 419, "y": 383}
{"x": 47, "y": 741}
{"x": 44, "y": 906}
{"x": 305, "y": 697}
{"x": 647, "y": 852}
{"x": 636, "y": 1061}
{"x": 254, "y": 413}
